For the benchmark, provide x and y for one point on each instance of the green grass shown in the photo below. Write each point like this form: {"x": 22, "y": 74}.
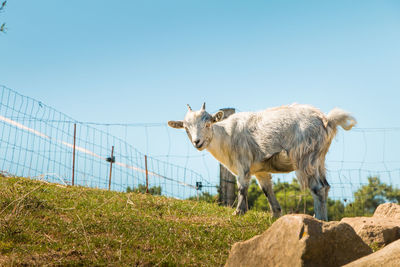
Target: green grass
{"x": 50, "y": 224}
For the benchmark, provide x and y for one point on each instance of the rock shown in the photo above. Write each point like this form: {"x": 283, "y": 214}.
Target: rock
{"x": 388, "y": 210}
{"x": 300, "y": 240}
{"x": 375, "y": 230}
{"x": 388, "y": 256}
{"x": 380, "y": 229}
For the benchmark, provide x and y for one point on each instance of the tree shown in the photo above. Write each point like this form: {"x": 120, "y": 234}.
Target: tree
{"x": 253, "y": 196}
{"x": 205, "y": 196}
{"x": 291, "y": 198}
{"x": 393, "y": 194}
{"x": 154, "y": 190}
{"x": 3, "y": 25}
{"x": 336, "y": 210}
{"x": 370, "y": 196}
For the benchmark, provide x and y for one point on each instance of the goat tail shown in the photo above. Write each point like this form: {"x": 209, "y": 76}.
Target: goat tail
{"x": 340, "y": 117}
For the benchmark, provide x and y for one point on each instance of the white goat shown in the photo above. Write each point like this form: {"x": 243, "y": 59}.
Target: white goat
{"x": 276, "y": 140}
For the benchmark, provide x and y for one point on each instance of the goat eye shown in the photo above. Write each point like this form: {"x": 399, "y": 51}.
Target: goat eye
{"x": 208, "y": 125}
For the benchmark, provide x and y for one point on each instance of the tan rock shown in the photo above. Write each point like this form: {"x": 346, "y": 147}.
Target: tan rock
{"x": 375, "y": 230}
{"x": 300, "y": 240}
{"x": 380, "y": 229}
{"x": 388, "y": 256}
{"x": 388, "y": 210}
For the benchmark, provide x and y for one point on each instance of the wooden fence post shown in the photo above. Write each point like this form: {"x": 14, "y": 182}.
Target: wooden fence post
{"x": 227, "y": 181}
{"x": 73, "y": 157}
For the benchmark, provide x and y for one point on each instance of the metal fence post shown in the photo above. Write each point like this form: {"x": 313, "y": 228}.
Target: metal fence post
{"x": 284, "y": 188}
{"x": 147, "y": 174}
{"x": 73, "y": 157}
{"x": 111, "y": 162}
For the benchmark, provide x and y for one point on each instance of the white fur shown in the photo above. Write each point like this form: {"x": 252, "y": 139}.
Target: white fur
{"x": 282, "y": 139}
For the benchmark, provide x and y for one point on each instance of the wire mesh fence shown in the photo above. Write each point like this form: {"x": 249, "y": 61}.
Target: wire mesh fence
{"x": 38, "y": 141}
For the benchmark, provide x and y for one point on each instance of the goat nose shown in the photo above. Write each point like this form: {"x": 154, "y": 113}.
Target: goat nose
{"x": 196, "y": 142}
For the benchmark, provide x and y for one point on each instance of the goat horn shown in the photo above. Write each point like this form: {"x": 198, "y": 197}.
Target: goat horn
{"x": 203, "y": 107}
{"x": 189, "y": 107}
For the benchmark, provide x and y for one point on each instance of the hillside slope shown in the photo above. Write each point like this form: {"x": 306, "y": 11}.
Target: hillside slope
{"x": 51, "y": 224}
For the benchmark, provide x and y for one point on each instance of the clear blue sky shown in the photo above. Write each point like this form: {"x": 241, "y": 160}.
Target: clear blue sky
{"x": 142, "y": 61}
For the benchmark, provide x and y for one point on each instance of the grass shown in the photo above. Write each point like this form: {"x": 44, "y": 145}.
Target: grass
{"x": 51, "y": 224}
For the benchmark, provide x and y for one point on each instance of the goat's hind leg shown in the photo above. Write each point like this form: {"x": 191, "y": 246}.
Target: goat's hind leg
{"x": 322, "y": 195}
{"x": 319, "y": 188}
{"x": 319, "y": 191}
{"x": 265, "y": 182}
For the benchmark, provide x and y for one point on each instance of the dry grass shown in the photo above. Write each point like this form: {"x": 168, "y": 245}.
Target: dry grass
{"x": 48, "y": 224}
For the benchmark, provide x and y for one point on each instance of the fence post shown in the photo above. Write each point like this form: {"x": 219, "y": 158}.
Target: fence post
{"x": 111, "y": 162}
{"x": 147, "y": 174}
{"x": 227, "y": 181}
{"x": 73, "y": 157}
{"x": 284, "y": 188}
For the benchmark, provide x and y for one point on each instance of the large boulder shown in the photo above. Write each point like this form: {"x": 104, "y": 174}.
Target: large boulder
{"x": 388, "y": 210}
{"x": 388, "y": 256}
{"x": 382, "y": 228}
{"x": 375, "y": 230}
{"x": 300, "y": 240}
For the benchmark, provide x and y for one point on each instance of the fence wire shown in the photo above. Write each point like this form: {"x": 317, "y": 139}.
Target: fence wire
{"x": 38, "y": 141}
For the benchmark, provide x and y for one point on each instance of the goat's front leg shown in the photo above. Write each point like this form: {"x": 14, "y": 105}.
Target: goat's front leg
{"x": 243, "y": 181}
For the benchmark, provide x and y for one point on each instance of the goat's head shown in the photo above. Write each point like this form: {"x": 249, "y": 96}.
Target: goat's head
{"x": 198, "y": 126}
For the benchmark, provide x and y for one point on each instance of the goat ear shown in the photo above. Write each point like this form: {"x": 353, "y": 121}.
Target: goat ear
{"x": 175, "y": 124}
{"x": 218, "y": 116}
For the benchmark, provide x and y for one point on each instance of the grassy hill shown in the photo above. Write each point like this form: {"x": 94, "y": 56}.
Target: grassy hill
{"x": 51, "y": 224}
